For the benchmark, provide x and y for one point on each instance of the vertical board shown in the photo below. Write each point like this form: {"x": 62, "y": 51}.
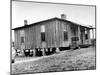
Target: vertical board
{"x": 88, "y": 31}
{"x": 53, "y": 34}
{"x": 15, "y": 36}
{"x": 60, "y": 33}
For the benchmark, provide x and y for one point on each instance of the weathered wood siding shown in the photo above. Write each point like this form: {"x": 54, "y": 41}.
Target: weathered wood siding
{"x": 54, "y": 35}
{"x": 61, "y": 26}
{"x": 16, "y": 39}
{"x": 33, "y": 36}
{"x": 18, "y": 44}
{"x": 50, "y": 33}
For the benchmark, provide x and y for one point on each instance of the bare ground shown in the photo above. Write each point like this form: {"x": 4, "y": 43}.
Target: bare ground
{"x": 79, "y": 59}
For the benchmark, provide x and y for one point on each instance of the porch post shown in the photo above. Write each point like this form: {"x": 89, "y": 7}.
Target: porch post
{"x": 88, "y": 31}
{"x": 84, "y": 41}
{"x": 92, "y": 34}
{"x": 34, "y": 52}
{"x": 43, "y": 51}
{"x": 57, "y": 50}
{"x": 79, "y": 33}
{"x": 50, "y": 50}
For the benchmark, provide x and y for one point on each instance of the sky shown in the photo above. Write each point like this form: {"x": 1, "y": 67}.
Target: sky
{"x": 34, "y": 12}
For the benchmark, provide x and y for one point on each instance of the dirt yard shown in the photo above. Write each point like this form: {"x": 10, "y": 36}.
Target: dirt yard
{"x": 79, "y": 59}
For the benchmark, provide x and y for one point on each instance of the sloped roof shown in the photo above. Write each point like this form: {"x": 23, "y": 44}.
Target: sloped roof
{"x": 55, "y": 18}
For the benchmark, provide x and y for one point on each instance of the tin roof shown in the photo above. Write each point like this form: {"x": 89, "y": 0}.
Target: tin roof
{"x": 55, "y": 18}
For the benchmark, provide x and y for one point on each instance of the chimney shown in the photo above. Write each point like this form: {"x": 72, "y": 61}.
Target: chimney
{"x": 63, "y": 16}
{"x": 25, "y": 22}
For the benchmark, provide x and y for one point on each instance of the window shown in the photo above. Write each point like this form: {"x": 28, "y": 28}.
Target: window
{"x": 22, "y": 40}
{"x": 65, "y": 32}
{"x": 42, "y": 28}
{"x": 42, "y": 33}
{"x": 75, "y": 38}
{"x": 22, "y": 33}
{"x": 85, "y": 31}
{"x": 65, "y": 36}
{"x": 74, "y": 31}
{"x": 86, "y": 36}
{"x": 42, "y": 36}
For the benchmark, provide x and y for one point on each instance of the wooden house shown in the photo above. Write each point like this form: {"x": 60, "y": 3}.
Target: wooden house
{"x": 51, "y": 33}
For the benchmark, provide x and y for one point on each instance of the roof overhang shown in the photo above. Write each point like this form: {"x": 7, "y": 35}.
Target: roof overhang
{"x": 55, "y": 18}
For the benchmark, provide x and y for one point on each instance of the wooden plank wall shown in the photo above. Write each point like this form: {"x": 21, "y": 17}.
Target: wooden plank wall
{"x": 17, "y": 39}
{"x": 61, "y": 26}
{"x": 50, "y": 33}
{"x": 32, "y": 38}
{"x": 53, "y": 34}
{"x": 33, "y": 35}
{"x": 60, "y": 32}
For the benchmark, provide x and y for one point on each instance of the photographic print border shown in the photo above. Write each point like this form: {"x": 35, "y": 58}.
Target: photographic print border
{"x": 46, "y": 3}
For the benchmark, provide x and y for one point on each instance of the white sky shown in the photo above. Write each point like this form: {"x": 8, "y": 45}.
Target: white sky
{"x": 35, "y": 12}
